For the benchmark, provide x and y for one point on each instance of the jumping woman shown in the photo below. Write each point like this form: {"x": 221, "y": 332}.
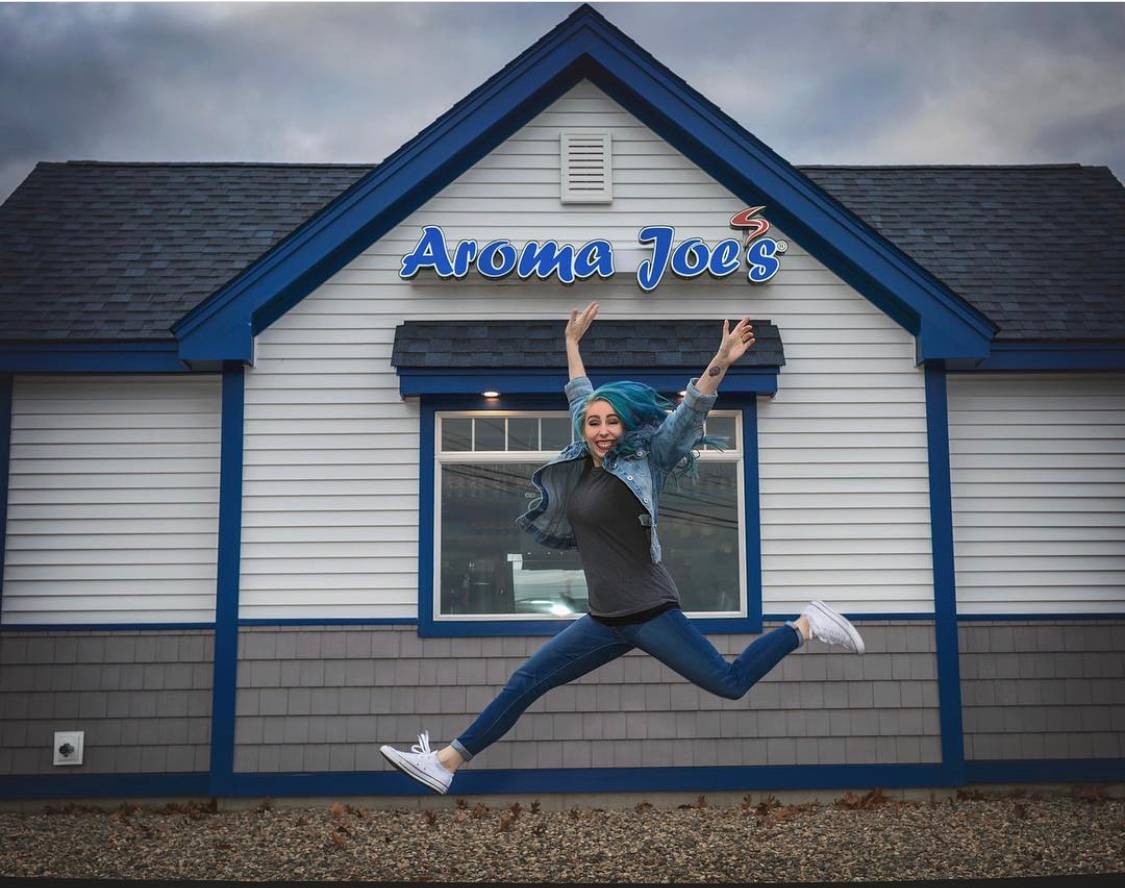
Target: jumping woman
{"x": 600, "y": 495}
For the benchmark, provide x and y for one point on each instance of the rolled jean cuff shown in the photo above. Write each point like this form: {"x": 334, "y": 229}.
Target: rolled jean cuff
{"x": 465, "y": 754}
{"x": 800, "y": 635}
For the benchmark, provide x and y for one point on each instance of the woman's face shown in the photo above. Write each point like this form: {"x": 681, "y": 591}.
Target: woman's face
{"x": 602, "y": 427}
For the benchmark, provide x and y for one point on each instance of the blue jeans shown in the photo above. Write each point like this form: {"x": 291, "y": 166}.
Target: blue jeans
{"x": 587, "y": 644}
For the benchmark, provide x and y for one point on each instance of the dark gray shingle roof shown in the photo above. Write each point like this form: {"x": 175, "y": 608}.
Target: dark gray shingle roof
{"x": 1040, "y": 250}
{"x": 608, "y": 344}
{"x": 124, "y": 250}
{"x": 121, "y": 251}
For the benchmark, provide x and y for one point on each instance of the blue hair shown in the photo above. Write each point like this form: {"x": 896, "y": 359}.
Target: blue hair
{"x": 641, "y": 410}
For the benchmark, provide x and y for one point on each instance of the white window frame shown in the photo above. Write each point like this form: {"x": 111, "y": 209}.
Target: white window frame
{"x": 732, "y": 455}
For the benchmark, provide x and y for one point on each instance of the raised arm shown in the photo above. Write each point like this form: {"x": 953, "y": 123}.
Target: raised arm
{"x": 684, "y": 425}
{"x": 735, "y": 344}
{"x": 576, "y": 328}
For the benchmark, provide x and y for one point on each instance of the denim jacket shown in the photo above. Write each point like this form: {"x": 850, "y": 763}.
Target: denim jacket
{"x": 644, "y": 472}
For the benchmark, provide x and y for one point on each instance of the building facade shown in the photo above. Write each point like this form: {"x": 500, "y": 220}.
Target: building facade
{"x": 260, "y": 511}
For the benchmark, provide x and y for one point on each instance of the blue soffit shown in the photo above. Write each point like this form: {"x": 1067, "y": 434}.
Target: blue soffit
{"x": 584, "y": 46}
{"x": 420, "y": 382}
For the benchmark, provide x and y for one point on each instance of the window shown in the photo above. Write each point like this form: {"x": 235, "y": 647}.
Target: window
{"x": 486, "y": 568}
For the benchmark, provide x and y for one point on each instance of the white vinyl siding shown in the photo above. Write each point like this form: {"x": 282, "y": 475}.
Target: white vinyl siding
{"x": 1037, "y": 465}
{"x": 330, "y": 522}
{"x": 113, "y": 500}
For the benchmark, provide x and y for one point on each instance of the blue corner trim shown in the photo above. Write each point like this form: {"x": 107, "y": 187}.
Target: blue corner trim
{"x": 225, "y": 677}
{"x": 1045, "y": 356}
{"x": 751, "y": 516}
{"x": 426, "y": 554}
{"x": 91, "y": 357}
{"x": 583, "y": 46}
{"x": 945, "y": 590}
{"x": 417, "y": 382}
{"x": 5, "y": 469}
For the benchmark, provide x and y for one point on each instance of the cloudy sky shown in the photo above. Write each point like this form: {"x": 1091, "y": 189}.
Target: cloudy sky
{"x": 820, "y": 83}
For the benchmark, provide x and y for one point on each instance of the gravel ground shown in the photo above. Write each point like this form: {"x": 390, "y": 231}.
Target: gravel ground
{"x": 870, "y": 837}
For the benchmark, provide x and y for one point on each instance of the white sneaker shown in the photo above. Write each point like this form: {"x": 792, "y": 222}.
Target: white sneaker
{"x": 831, "y": 627}
{"x": 421, "y": 764}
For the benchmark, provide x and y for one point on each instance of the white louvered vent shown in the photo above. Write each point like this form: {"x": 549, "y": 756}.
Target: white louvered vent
{"x": 587, "y": 167}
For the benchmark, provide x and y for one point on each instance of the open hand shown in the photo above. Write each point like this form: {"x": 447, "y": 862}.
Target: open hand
{"x": 736, "y": 342}
{"x": 579, "y": 323}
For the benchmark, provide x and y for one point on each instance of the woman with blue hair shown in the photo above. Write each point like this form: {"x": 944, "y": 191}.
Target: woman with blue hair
{"x": 601, "y": 495}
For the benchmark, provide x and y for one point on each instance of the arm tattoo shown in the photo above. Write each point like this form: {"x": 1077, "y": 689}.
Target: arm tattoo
{"x": 714, "y": 371}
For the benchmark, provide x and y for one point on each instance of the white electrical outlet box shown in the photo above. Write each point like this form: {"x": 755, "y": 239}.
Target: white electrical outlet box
{"x": 68, "y": 747}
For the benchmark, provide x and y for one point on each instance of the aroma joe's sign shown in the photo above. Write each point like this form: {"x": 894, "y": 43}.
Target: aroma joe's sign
{"x": 686, "y": 259}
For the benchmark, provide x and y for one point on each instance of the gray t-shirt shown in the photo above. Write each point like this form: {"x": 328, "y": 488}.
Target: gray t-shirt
{"x": 613, "y": 545}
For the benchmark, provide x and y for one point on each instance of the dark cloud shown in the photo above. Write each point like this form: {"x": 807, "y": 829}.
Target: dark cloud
{"x": 819, "y": 83}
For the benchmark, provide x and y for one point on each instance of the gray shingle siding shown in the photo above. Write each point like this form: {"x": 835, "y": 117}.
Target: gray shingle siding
{"x": 1035, "y": 691}
{"x": 385, "y": 684}
{"x": 143, "y": 700}
{"x": 325, "y": 698}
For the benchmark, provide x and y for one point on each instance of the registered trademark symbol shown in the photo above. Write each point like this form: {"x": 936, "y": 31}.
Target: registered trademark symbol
{"x": 782, "y": 246}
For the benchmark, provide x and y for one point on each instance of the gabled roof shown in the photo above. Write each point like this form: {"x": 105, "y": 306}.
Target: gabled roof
{"x": 585, "y": 46}
{"x": 221, "y": 250}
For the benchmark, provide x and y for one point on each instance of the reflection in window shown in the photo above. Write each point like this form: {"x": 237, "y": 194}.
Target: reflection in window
{"x": 488, "y": 566}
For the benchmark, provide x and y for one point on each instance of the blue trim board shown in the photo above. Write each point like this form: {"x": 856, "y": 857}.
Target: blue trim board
{"x": 485, "y": 628}
{"x": 596, "y": 780}
{"x": 973, "y": 618}
{"x": 592, "y": 780}
{"x": 91, "y": 357}
{"x": 585, "y": 45}
{"x": 1045, "y": 356}
{"x": 724, "y": 624}
{"x": 5, "y": 469}
{"x": 226, "y": 593}
{"x": 751, "y": 520}
{"x": 104, "y": 627}
{"x": 344, "y": 621}
{"x": 517, "y": 381}
{"x": 945, "y": 590}
{"x": 1092, "y": 770}
{"x": 427, "y": 428}
{"x": 76, "y": 786}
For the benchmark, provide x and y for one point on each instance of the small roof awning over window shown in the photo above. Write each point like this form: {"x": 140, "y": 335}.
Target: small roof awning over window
{"x": 529, "y": 357}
